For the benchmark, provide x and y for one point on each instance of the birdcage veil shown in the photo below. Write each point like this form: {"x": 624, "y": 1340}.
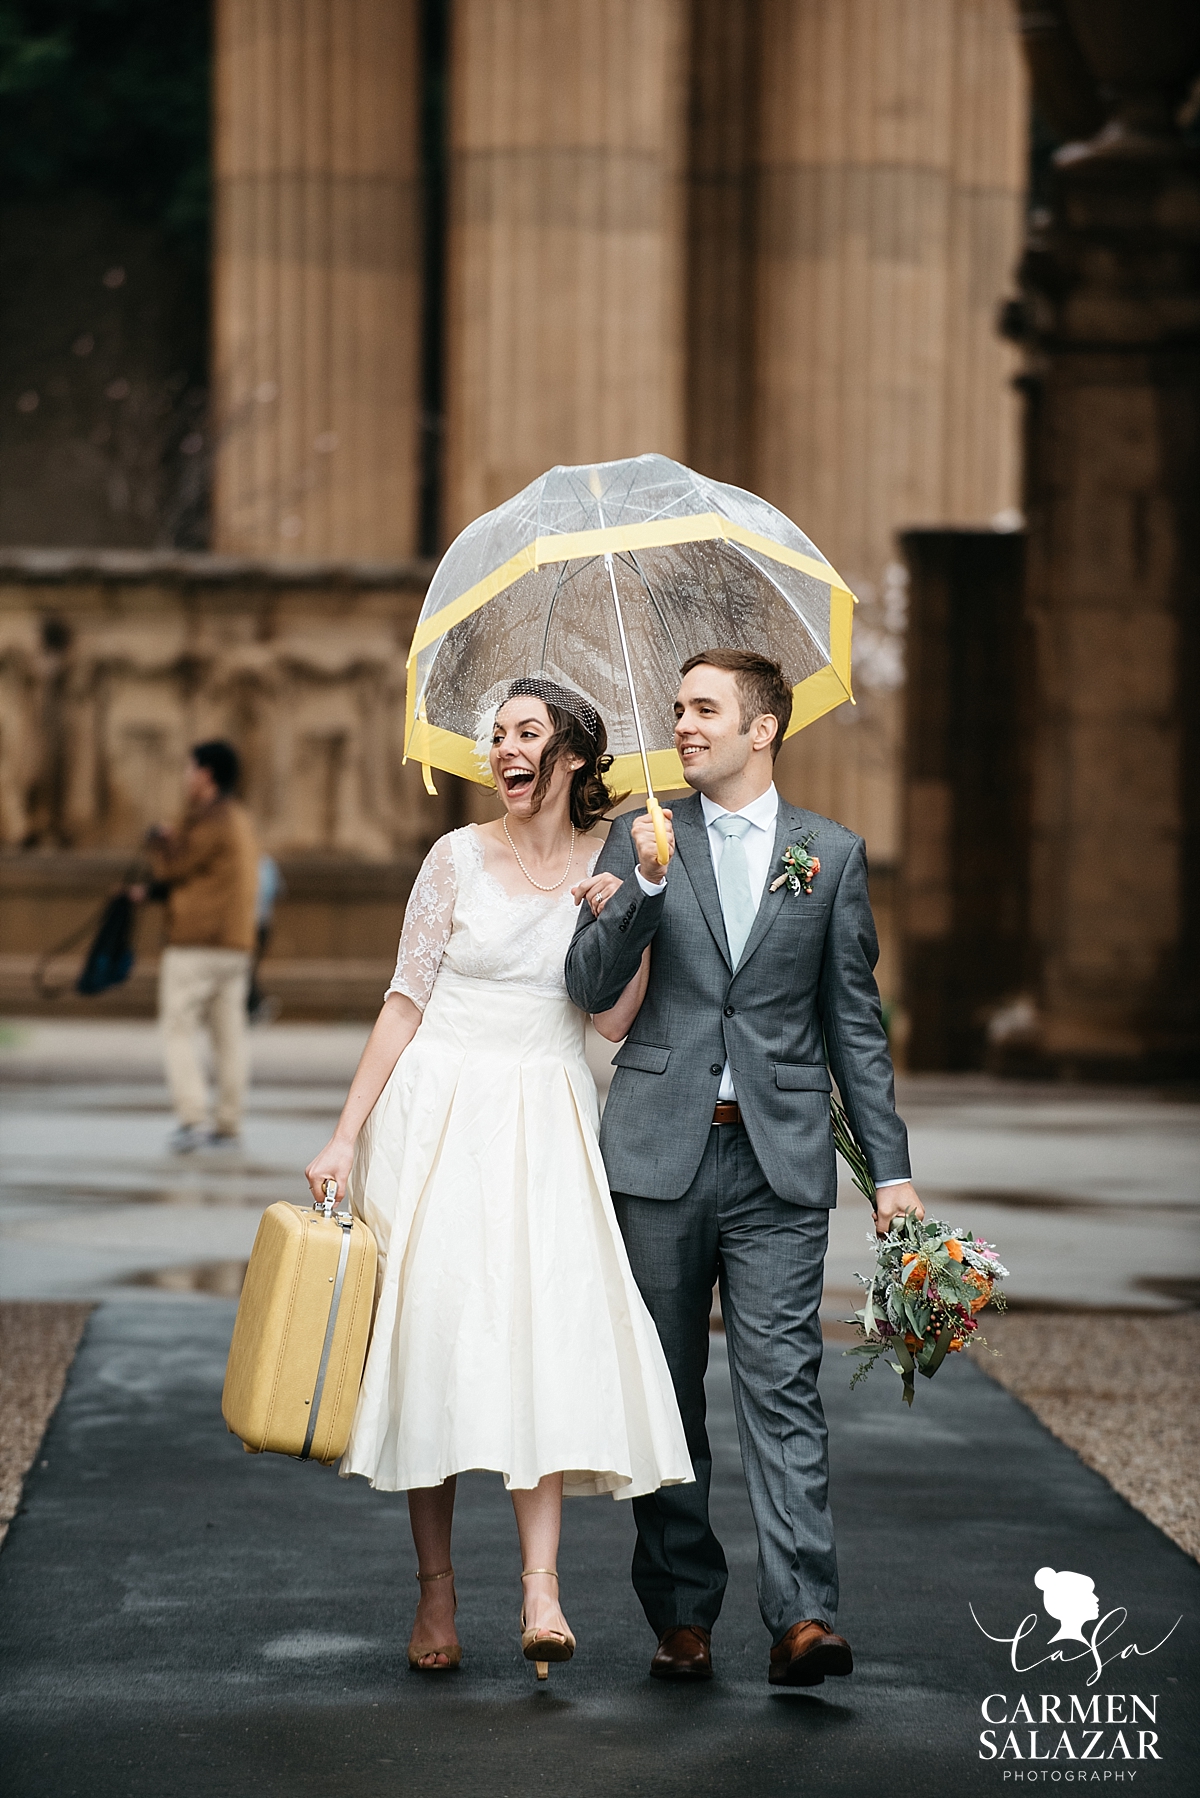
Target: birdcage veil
{"x": 549, "y": 685}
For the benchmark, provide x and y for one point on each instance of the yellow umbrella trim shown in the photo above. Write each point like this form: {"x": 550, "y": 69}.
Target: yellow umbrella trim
{"x": 811, "y": 699}
{"x": 577, "y": 545}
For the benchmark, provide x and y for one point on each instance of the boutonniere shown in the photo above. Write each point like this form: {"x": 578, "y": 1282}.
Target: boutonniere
{"x": 800, "y": 868}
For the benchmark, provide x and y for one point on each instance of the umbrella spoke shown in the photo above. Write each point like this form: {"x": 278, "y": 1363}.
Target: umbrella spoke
{"x": 661, "y": 615}
{"x": 633, "y": 700}
{"x": 558, "y": 585}
{"x": 822, "y": 648}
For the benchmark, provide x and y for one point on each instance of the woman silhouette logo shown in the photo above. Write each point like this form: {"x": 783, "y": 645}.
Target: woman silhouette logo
{"x": 1070, "y": 1598}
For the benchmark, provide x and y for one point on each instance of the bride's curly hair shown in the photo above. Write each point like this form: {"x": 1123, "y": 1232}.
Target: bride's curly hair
{"x": 576, "y": 729}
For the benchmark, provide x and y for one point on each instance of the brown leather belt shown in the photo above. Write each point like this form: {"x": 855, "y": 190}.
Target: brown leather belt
{"x": 727, "y": 1111}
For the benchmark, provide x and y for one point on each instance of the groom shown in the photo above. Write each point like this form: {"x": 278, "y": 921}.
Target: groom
{"x": 719, "y": 1150}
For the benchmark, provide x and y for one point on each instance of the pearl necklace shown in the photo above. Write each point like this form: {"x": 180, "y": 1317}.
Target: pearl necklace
{"x": 525, "y": 870}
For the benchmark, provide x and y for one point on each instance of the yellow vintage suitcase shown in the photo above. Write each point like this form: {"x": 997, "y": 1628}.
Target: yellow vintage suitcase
{"x": 300, "y": 1338}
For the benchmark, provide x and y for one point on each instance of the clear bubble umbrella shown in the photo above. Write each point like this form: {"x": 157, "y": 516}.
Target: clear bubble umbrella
{"x": 606, "y": 578}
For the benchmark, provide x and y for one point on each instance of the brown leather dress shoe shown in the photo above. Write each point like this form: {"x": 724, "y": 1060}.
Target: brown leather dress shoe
{"x": 683, "y": 1653}
{"x": 807, "y": 1653}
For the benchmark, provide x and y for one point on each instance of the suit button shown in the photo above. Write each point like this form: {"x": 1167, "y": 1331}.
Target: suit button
{"x": 715, "y": 1068}
{"x": 729, "y": 1011}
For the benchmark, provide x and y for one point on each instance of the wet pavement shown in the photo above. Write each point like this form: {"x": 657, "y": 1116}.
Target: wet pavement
{"x": 1093, "y": 1197}
{"x": 178, "y": 1618}
{"x": 92, "y": 1204}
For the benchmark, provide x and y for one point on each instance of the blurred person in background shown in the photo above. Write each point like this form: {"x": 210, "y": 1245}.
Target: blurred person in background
{"x": 263, "y": 1008}
{"x": 207, "y": 870}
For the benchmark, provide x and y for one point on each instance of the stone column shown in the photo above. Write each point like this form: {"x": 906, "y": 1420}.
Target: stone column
{"x": 565, "y": 317}
{"x": 989, "y": 151}
{"x": 1111, "y": 318}
{"x": 724, "y": 55}
{"x": 965, "y": 889}
{"x": 891, "y": 169}
{"x": 316, "y": 295}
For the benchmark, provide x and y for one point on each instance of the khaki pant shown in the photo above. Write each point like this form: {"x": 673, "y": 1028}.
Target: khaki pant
{"x": 205, "y": 989}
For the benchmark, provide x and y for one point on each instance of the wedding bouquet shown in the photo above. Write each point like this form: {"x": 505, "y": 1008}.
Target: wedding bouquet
{"x": 929, "y": 1284}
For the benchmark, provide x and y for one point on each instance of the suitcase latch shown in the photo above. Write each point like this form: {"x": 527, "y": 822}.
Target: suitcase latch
{"x": 327, "y": 1206}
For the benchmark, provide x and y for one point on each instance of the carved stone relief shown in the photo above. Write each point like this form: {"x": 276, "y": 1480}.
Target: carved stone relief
{"x": 307, "y": 682}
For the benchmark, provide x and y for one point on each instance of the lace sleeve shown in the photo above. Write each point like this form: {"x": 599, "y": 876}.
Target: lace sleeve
{"x": 427, "y": 922}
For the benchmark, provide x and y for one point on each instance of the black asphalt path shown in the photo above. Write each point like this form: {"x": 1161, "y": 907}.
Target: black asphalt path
{"x": 181, "y": 1620}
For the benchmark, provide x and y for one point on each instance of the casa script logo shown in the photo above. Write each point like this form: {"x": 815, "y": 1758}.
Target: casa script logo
{"x": 1041, "y": 1735}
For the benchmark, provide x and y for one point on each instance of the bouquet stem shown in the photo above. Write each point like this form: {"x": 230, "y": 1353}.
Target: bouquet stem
{"x": 850, "y": 1150}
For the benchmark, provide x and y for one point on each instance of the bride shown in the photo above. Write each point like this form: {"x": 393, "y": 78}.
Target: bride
{"x": 509, "y": 1333}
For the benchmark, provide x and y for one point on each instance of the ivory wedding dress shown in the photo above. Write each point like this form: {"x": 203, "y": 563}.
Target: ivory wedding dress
{"x": 509, "y": 1333}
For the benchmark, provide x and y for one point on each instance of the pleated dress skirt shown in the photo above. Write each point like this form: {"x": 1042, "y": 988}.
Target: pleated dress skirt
{"x": 509, "y": 1333}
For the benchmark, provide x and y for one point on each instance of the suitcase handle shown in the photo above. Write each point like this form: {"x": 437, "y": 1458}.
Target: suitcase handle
{"x": 327, "y": 1205}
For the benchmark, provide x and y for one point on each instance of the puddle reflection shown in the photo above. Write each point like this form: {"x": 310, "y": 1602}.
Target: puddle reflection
{"x": 1050, "y": 1201}
{"x": 1182, "y": 1290}
{"x": 222, "y": 1279}
{"x": 229, "y": 1195}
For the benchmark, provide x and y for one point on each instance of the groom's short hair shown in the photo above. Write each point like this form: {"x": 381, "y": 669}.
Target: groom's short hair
{"x": 761, "y": 686}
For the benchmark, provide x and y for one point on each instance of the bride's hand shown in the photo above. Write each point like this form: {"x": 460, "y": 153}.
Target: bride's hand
{"x": 597, "y": 891}
{"x": 333, "y": 1163}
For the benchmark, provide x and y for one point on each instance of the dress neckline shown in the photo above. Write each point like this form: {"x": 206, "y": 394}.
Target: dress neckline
{"x": 545, "y": 900}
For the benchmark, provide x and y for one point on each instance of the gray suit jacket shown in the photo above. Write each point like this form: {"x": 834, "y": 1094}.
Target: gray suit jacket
{"x": 802, "y": 1000}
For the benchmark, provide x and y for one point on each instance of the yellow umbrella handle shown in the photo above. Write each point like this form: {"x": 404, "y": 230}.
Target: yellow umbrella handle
{"x": 660, "y": 829}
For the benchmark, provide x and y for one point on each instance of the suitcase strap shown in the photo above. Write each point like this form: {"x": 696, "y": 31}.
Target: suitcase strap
{"x": 330, "y": 1327}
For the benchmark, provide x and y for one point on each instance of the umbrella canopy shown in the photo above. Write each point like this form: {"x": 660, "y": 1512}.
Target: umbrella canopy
{"x": 545, "y": 583}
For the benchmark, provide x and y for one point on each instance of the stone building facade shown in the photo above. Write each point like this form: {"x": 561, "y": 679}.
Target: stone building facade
{"x": 112, "y": 665}
{"x": 1052, "y": 921}
{"x": 1109, "y": 321}
{"x": 768, "y": 239}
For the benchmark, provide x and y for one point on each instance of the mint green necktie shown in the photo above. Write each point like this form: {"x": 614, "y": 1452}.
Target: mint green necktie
{"x": 733, "y": 882}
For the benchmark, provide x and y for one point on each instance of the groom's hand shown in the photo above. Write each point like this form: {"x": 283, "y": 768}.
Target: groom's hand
{"x": 646, "y": 849}
{"x": 890, "y": 1201}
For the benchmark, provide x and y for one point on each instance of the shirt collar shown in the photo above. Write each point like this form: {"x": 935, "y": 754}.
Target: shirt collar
{"x": 762, "y": 811}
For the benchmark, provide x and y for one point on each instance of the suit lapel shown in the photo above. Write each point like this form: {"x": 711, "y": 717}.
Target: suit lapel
{"x": 691, "y": 844}
{"x": 787, "y": 826}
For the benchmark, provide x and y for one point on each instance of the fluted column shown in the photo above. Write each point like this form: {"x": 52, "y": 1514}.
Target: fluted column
{"x": 722, "y": 114}
{"x": 981, "y": 425}
{"x": 317, "y": 278}
{"x": 888, "y": 217}
{"x": 565, "y": 271}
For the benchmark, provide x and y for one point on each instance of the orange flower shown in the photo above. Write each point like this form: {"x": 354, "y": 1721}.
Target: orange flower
{"x": 954, "y": 1250}
{"x": 982, "y": 1285}
{"x": 955, "y": 1344}
{"x": 911, "y": 1342}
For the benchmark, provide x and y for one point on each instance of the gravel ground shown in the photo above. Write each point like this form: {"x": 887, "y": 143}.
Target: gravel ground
{"x": 37, "y": 1346}
{"x": 1123, "y": 1391}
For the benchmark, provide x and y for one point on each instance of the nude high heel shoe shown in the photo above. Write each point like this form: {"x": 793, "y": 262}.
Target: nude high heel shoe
{"x": 541, "y": 1646}
{"x": 420, "y": 1652}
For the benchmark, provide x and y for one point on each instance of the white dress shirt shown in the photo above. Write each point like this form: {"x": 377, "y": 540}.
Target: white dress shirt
{"x": 759, "y": 845}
